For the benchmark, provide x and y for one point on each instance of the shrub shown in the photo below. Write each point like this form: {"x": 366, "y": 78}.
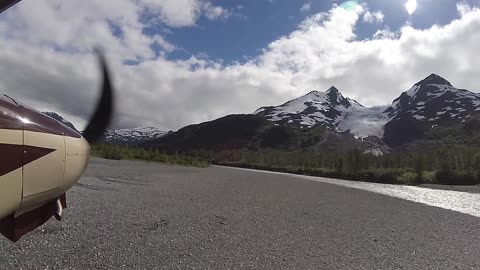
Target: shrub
{"x": 409, "y": 178}
{"x": 384, "y": 176}
{"x": 429, "y": 177}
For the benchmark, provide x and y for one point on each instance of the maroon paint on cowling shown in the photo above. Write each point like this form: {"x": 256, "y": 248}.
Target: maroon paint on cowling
{"x": 14, "y": 156}
{"x": 11, "y": 116}
{"x": 39, "y": 122}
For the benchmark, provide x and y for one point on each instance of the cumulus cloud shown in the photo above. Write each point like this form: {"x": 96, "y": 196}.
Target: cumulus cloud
{"x": 373, "y": 17}
{"x": 54, "y": 69}
{"x": 306, "y": 7}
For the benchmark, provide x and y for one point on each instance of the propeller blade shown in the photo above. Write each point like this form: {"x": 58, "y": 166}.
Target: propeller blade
{"x": 103, "y": 113}
{"x": 6, "y": 4}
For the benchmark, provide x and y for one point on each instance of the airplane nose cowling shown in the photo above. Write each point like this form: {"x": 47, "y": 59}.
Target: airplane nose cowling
{"x": 77, "y": 153}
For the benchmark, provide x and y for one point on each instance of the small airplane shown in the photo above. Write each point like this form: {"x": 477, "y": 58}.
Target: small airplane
{"x": 41, "y": 158}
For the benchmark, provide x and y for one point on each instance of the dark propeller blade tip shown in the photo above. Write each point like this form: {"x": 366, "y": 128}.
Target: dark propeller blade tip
{"x": 103, "y": 113}
{"x": 6, "y": 4}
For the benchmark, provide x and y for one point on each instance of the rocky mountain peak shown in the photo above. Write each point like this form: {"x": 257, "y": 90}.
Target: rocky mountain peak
{"x": 424, "y": 91}
{"x": 433, "y": 79}
{"x": 430, "y": 103}
{"x": 332, "y": 91}
{"x": 336, "y": 98}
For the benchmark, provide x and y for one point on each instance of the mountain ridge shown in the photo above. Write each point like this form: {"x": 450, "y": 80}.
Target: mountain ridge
{"x": 421, "y": 113}
{"x": 133, "y": 136}
{"x": 125, "y": 137}
{"x": 438, "y": 102}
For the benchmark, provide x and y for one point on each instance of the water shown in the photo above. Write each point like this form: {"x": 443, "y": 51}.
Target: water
{"x": 463, "y": 202}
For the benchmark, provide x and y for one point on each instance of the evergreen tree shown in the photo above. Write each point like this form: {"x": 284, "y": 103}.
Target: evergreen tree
{"x": 419, "y": 167}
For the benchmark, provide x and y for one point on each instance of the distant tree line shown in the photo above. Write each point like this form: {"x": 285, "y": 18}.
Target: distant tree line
{"x": 134, "y": 153}
{"x": 452, "y": 165}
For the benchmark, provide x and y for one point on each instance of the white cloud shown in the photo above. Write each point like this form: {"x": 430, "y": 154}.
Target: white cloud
{"x": 176, "y": 13}
{"x": 323, "y": 51}
{"x": 385, "y": 33}
{"x": 306, "y": 7}
{"x": 215, "y": 12}
{"x": 373, "y": 17}
{"x": 463, "y": 8}
{"x": 181, "y": 13}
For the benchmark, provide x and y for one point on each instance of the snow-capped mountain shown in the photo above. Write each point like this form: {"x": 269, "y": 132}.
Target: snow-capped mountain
{"x": 314, "y": 108}
{"x": 434, "y": 99}
{"x": 134, "y": 136}
{"x": 430, "y": 103}
{"x": 331, "y": 109}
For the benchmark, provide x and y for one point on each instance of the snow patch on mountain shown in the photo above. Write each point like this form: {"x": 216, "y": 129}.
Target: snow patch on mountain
{"x": 374, "y": 151}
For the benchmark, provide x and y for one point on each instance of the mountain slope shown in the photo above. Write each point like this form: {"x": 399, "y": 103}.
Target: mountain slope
{"x": 253, "y": 132}
{"x": 229, "y": 132}
{"x": 431, "y": 103}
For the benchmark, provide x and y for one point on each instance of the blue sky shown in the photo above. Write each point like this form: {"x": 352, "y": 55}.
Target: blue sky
{"x": 254, "y": 24}
{"x": 180, "y": 62}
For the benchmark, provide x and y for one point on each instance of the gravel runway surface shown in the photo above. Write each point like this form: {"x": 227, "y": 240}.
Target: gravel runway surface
{"x": 136, "y": 215}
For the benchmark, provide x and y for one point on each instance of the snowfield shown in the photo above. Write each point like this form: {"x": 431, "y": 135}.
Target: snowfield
{"x": 363, "y": 122}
